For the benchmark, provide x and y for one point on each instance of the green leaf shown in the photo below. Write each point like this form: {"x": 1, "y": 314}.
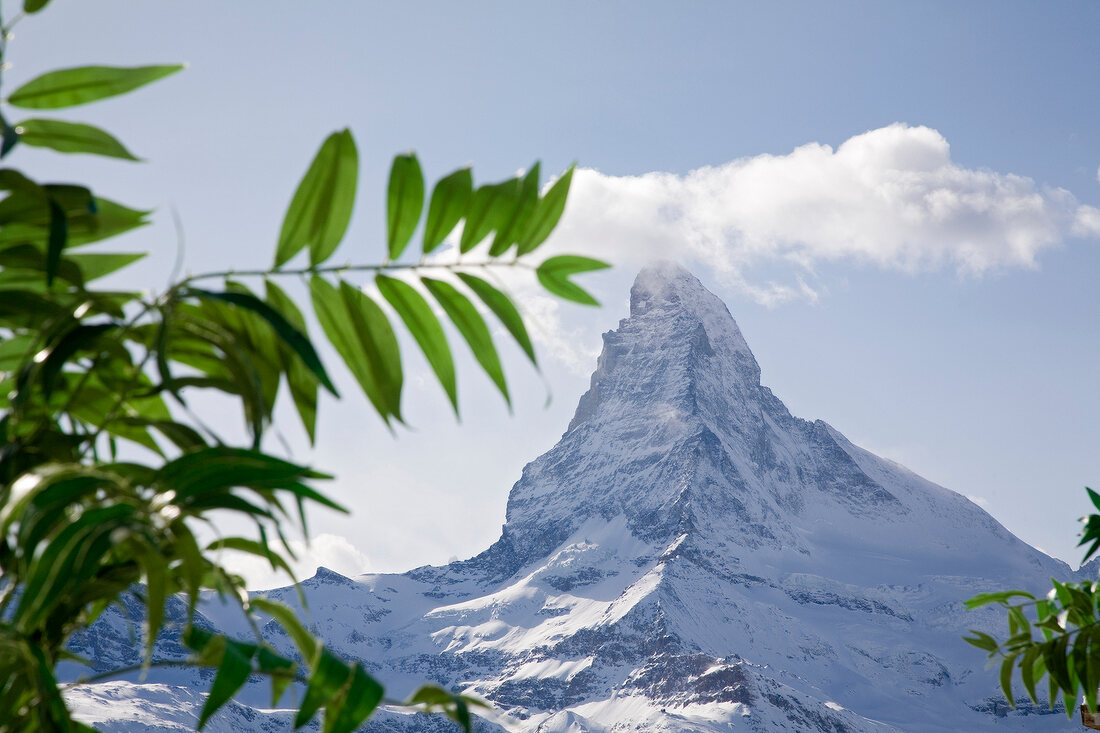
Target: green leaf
{"x": 156, "y": 584}
{"x": 425, "y": 329}
{"x": 70, "y": 87}
{"x": 71, "y": 137}
{"x": 489, "y": 209}
{"x": 359, "y": 330}
{"x": 981, "y": 640}
{"x": 33, "y": 6}
{"x": 1002, "y": 597}
{"x": 303, "y": 383}
{"x": 501, "y": 306}
{"x": 325, "y": 681}
{"x": 51, "y": 709}
{"x": 233, "y": 672}
{"x": 513, "y": 226}
{"x": 59, "y": 235}
{"x": 1006, "y": 679}
{"x": 308, "y": 645}
{"x": 547, "y": 214}
{"x": 362, "y": 698}
{"x": 450, "y": 199}
{"x": 319, "y": 213}
{"x": 280, "y": 669}
{"x": 252, "y": 547}
{"x": 554, "y": 275}
{"x": 473, "y": 329}
{"x": 94, "y": 266}
{"x": 404, "y": 201}
{"x": 291, "y": 335}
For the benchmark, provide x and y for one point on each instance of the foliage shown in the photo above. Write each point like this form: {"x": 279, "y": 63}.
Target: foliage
{"x": 106, "y": 472}
{"x": 1057, "y": 636}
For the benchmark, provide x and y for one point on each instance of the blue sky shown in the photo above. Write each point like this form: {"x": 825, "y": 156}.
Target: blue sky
{"x": 977, "y": 370}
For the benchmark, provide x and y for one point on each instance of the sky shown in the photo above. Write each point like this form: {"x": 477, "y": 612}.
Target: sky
{"x": 899, "y": 202}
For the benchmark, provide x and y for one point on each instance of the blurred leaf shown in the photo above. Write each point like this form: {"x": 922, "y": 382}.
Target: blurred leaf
{"x": 9, "y": 138}
{"x": 982, "y": 641}
{"x": 252, "y": 547}
{"x": 516, "y": 222}
{"x": 489, "y": 208}
{"x": 326, "y": 678}
{"x": 280, "y": 669}
{"x": 303, "y": 383}
{"x": 473, "y": 329}
{"x": 319, "y": 213}
{"x": 233, "y": 672}
{"x": 450, "y": 198}
{"x": 71, "y": 137}
{"x": 308, "y": 645}
{"x": 404, "y": 202}
{"x": 554, "y": 275}
{"x": 501, "y": 306}
{"x": 547, "y": 214}
{"x": 33, "y": 6}
{"x": 70, "y": 87}
{"x": 1006, "y": 680}
{"x": 363, "y": 696}
{"x": 95, "y": 266}
{"x": 156, "y": 592}
{"x": 359, "y": 330}
{"x": 425, "y": 329}
{"x": 290, "y": 334}
{"x": 59, "y": 235}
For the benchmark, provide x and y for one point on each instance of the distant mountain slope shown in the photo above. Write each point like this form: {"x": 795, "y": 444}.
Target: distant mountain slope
{"x": 691, "y": 557}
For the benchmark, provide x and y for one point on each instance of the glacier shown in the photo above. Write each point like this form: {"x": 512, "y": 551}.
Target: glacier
{"x": 688, "y": 557}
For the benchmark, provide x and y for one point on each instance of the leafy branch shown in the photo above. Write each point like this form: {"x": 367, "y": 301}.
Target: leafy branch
{"x": 1067, "y": 648}
{"x": 105, "y": 469}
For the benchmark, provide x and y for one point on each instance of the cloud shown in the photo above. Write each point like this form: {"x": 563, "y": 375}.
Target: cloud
{"x": 890, "y": 198}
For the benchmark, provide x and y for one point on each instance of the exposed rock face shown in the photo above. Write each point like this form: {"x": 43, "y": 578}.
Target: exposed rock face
{"x": 691, "y": 557}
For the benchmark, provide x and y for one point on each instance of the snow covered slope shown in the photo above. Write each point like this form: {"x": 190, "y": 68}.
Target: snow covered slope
{"x": 691, "y": 557}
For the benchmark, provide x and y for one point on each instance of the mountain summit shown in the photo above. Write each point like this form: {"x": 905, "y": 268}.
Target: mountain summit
{"x": 692, "y": 557}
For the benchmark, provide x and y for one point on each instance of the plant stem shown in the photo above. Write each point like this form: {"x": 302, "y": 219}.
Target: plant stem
{"x": 351, "y": 268}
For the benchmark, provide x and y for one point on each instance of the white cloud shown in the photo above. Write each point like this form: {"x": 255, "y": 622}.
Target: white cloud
{"x": 890, "y": 197}
{"x": 980, "y": 501}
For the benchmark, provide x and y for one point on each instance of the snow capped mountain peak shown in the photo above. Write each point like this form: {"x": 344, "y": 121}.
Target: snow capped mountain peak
{"x": 692, "y": 557}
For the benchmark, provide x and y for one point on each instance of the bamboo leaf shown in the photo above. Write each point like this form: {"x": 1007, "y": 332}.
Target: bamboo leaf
{"x": 363, "y": 696}
{"x": 308, "y": 645}
{"x": 71, "y": 137}
{"x": 547, "y": 214}
{"x": 417, "y": 315}
{"x": 404, "y": 202}
{"x": 293, "y": 337}
{"x": 303, "y": 383}
{"x": 80, "y": 85}
{"x": 233, "y": 672}
{"x": 450, "y": 199}
{"x": 489, "y": 208}
{"x": 319, "y": 213}
{"x": 554, "y": 275}
{"x": 473, "y": 329}
{"x": 58, "y": 237}
{"x": 358, "y": 329}
{"x": 503, "y": 308}
{"x": 327, "y": 677}
{"x": 515, "y": 223}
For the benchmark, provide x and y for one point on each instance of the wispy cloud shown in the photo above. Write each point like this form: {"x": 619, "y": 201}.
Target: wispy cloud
{"x": 891, "y": 198}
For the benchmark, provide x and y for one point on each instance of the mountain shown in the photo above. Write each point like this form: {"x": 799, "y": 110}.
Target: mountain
{"x": 692, "y": 557}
